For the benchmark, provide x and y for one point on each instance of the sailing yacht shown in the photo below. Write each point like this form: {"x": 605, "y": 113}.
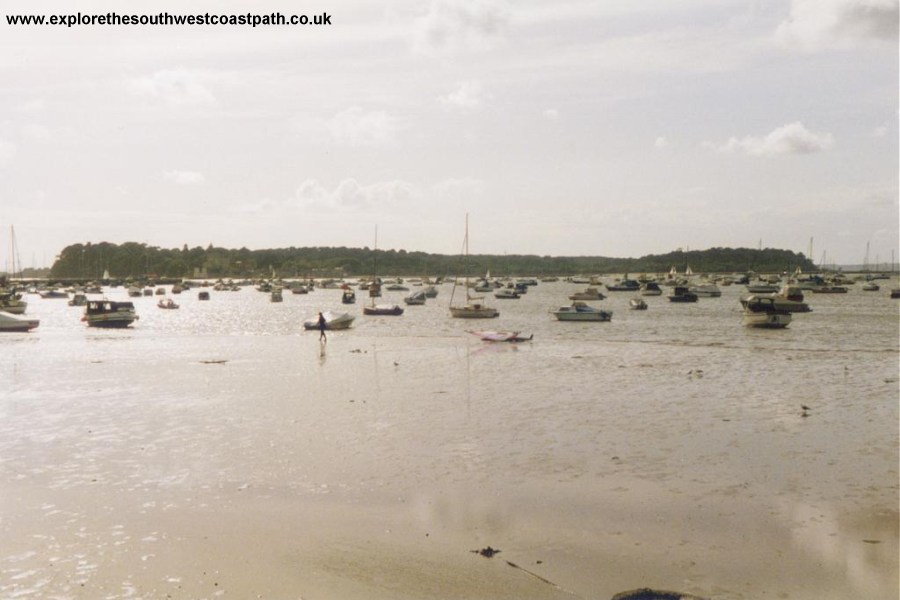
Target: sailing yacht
{"x": 474, "y": 307}
{"x": 384, "y": 310}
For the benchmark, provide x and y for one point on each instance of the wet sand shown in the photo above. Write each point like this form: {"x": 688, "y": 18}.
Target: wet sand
{"x": 373, "y": 467}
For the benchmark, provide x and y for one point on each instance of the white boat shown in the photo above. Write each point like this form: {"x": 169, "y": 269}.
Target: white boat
{"x": 78, "y": 299}
{"x": 333, "y": 321}
{"x": 870, "y": 286}
{"x": 430, "y": 292}
{"x": 506, "y": 294}
{"x": 789, "y": 298}
{"x": 760, "y": 311}
{"x": 11, "y": 322}
{"x": 579, "y": 311}
{"x": 12, "y": 303}
{"x": 417, "y": 298}
{"x": 637, "y": 303}
{"x": 109, "y": 314}
{"x": 707, "y": 290}
{"x": 474, "y": 307}
{"x": 167, "y": 303}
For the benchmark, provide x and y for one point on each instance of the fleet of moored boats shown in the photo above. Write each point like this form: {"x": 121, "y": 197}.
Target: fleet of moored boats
{"x": 766, "y": 305}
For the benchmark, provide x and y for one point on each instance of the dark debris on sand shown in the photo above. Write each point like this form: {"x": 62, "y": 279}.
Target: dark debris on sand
{"x": 648, "y": 594}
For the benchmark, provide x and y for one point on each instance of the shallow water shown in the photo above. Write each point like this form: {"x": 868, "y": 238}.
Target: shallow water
{"x": 219, "y": 450}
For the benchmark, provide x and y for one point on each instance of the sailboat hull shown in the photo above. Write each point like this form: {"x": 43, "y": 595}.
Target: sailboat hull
{"x": 474, "y": 312}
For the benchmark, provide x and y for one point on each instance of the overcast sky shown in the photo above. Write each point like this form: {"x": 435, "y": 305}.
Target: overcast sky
{"x": 568, "y": 127}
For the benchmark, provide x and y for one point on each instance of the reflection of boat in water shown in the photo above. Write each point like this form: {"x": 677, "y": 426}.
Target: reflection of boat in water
{"x": 11, "y": 322}
{"x": 109, "y": 314}
{"x": 579, "y": 311}
{"x": 760, "y": 311}
{"x": 275, "y": 295}
{"x": 333, "y": 321}
{"x": 502, "y": 336}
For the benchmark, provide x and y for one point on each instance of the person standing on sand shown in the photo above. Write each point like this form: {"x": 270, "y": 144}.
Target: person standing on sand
{"x": 322, "y": 327}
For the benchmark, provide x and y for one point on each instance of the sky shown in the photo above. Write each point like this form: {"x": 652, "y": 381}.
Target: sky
{"x": 567, "y": 128}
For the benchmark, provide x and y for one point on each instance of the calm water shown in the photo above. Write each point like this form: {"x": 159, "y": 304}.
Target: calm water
{"x": 219, "y": 450}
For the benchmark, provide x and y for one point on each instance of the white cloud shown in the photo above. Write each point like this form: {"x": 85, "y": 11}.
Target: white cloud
{"x": 7, "y": 153}
{"x": 176, "y": 87}
{"x": 793, "y": 138}
{"x": 552, "y": 114}
{"x": 353, "y": 127}
{"x": 459, "y": 25}
{"x": 468, "y": 96}
{"x": 661, "y": 142}
{"x": 351, "y": 195}
{"x": 184, "y": 177}
{"x": 36, "y": 132}
{"x": 815, "y": 24}
{"x": 880, "y": 131}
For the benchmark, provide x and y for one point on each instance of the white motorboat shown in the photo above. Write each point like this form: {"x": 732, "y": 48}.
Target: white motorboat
{"x": 417, "y": 298}
{"x": 637, "y": 303}
{"x": 12, "y": 303}
{"x": 11, "y": 322}
{"x": 109, "y": 314}
{"x": 707, "y": 290}
{"x": 333, "y": 321}
{"x": 789, "y": 298}
{"x": 579, "y": 311}
{"x": 506, "y": 294}
{"x": 761, "y": 311}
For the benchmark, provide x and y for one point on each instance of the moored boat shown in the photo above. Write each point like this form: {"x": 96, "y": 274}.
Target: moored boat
{"x": 637, "y": 303}
{"x": 474, "y": 308}
{"x": 506, "y": 294}
{"x": 579, "y": 311}
{"x": 706, "y": 290}
{"x": 651, "y": 288}
{"x": 417, "y": 298}
{"x": 167, "y": 303}
{"x": 383, "y": 310}
{"x": 760, "y": 311}
{"x": 682, "y": 294}
{"x": 109, "y": 314}
{"x": 13, "y": 323}
{"x": 590, "y": 293}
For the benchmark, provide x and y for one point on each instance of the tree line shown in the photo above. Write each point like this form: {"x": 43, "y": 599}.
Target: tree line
{"x": 135, "y": 260}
